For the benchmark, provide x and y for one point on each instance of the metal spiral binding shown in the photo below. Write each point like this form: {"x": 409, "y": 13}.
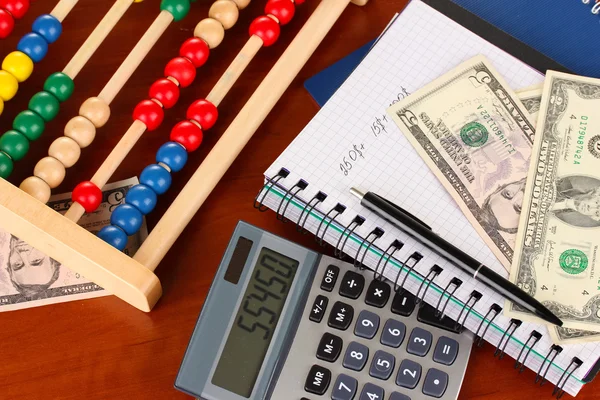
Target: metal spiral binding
{"x": 454, "y": 281}
{"x": 476, "y": 296}
{"x": 294, "y": 190}
{"x": 397, "y": 245}
{"x": 595, "y": 8}
{"x": 494, "y": 308}
{"x": 556, "y": 349}
{"x": 416, "y": 256}
{"x": 350, "y": 228}
{"x": 559, "y": 388}
{"x": 282, "y": 174}
{"x": 320, "y": 197}
{"x": 377, "y": 233}
{"x": 536, "y": 336}
{"x": 338, "y": 209}
{"x": 435, "y": 270}
{"x": 514, "y": 324}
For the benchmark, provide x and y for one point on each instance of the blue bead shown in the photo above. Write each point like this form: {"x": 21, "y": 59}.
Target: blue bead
{"x": 128, "y": 218}
{"x": 34, "y": 45}
{"x": 142, "y": 197}
{"x": 48, "y": 27}
{"x": 156, "y": 177}
{"x": 114, "y": 236}
{"x": 173, "y": 155}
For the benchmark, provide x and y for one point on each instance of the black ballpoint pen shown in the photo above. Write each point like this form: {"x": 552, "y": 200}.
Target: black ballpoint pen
{"x": 418, "y": 230}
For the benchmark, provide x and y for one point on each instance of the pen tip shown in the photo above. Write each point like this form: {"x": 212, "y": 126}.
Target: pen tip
{"x": 357, "y": 193}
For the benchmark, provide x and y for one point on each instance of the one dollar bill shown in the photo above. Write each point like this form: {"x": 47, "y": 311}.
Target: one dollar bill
{"x": 556, "y": 252}
{"x": 476, "y": 137}
{"x": 29, "y": 278}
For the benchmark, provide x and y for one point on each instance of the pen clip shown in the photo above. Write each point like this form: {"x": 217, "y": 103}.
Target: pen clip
{"x": 400, "y": 209}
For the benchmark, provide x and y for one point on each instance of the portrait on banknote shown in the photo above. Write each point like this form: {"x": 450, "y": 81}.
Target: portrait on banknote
{"x": 578, "y": 201}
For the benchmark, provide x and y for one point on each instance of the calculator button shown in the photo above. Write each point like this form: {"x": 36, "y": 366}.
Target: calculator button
{"x": 352, "y": 285}
{"x": 399, "y": 396}
{"x": 371, "y": 392}
{"x": 409, "y": 374}
{"x": 330, "y": 347}
{"x": 404, "y": 303}
{"x": 341, "y": 315}
{"x": 378, "y": 293}
{"x": 419, "y": 342}
{"x": 344, "y": 388}
{"x": 318, "y": 380}
{"x": 318, "y": 309}
{"x": 356, "y": 356}
{"x": 435, "y": 383}
{"x": 366, "y": 324}
{"x": 329, "y": 278}
{"x": 382, "y": 365}
{"x": 393, "y": 333}
{"x": 445, "y": 351}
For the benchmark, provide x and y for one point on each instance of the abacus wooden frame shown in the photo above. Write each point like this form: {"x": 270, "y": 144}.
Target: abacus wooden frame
{"x": 80, "y": 250}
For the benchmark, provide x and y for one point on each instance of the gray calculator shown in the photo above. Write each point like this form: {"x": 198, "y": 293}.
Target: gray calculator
{"x": 283, "y": 322}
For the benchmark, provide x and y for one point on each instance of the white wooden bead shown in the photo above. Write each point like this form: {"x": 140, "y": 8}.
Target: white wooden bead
{"x": 36, "y": 188}
{"x": 50, "y": 170}
{"x": 96, "y": 110}
{"x": 241, "y": 4}
{"x": 65, "y": 150}
{"x": 224, "y": 11}
{"x": 211, "y": 31}
{"x": 81, "y": 130}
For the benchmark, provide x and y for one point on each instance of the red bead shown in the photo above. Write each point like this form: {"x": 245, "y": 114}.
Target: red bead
{"x": 265, "y": 28}
{"x": 17, "y": 8}
{"x": 7, "y": 23}
{"x": 283, "y": 10}
{"x": 181, "y": 69}
{"x": 203, "y": 112}
{"x": 187, "y": 134}
{"x": 196, "y": 50}
{"x": 150, "y": 113}
{"x": 165, "y": 91}
{"x": 88, "y": 195}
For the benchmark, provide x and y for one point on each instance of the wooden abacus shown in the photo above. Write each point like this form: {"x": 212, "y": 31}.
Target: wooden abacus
{"x": 10, "y": 10}
{"x": 132, "y": 279}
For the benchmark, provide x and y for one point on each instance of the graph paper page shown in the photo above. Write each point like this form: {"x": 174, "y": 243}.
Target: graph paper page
{"x": 351, "y": 143}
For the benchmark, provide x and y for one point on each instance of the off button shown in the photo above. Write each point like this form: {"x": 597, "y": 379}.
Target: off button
{"x": 330, "y": 277}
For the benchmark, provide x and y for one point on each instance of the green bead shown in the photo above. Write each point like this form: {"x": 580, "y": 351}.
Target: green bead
{"x": 29, "y": 124}
{"x": 6, "y": 165}
{"x": 45, "y": 104}
{"x": 14, "y": 144}
{"x": 178, "y": 8}
{"x": 60, "y": 85}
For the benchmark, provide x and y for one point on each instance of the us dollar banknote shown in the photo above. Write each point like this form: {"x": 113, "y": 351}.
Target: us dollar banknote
{"x": 29, "y": 278}
{"x": 531, "y": 100}
{"x": 476, "y": 137}
{"x": 556, "y": 253}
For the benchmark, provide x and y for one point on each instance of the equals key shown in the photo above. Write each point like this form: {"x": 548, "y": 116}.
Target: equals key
{"x": 318, "y": 308}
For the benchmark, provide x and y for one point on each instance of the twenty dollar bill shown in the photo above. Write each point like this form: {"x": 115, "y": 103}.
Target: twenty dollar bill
{"x": 476, "y": 137}
{"x": 29, "y": 278}
{"x": 556, "y": 253}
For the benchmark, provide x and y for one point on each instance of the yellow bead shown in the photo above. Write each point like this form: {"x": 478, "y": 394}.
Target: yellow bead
{"x": 1, "y": 106}
{"x": 19, "y": 65}
{"x": 224, "y": 11}
{"x": 8, "y": 86}
{"x": 37, "y": 188}
{"x": 50, "y": 170}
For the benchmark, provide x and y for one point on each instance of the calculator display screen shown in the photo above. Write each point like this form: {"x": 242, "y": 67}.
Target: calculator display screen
{"x": 254, "y": 323}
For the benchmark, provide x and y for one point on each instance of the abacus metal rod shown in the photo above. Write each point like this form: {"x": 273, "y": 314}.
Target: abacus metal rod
{"x": 63, "y": 8}
{"x": 206, "y": 177}
{"x": 137, "y": 129}
{"x": 89, "y": 47}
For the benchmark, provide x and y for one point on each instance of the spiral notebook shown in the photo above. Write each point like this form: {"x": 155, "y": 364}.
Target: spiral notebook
{"x": 351, "y": 142}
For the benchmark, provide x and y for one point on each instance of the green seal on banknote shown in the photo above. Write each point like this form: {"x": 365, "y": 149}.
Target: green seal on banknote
{"x": 573, "y": 261}
{"x": 474, "y": 134}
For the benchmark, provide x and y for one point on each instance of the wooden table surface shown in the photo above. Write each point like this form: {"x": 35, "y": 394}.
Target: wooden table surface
{"x": 105, "y": 349}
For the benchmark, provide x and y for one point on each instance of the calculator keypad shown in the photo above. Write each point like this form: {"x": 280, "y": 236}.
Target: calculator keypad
{"x": 373, "y": 345}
